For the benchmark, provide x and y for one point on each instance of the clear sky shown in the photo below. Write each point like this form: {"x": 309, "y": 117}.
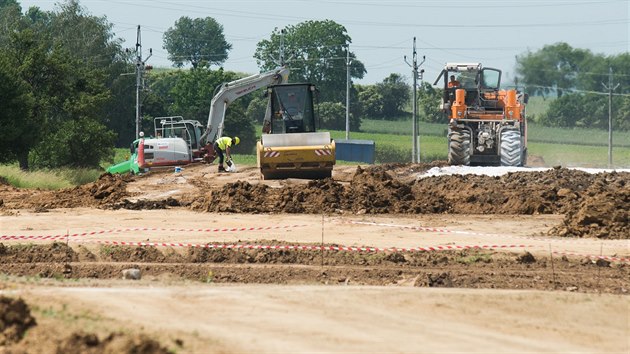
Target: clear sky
{"x": 492, "y": 32}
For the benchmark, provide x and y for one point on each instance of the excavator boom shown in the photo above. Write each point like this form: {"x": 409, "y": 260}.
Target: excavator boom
{"x": 228, "y": 92}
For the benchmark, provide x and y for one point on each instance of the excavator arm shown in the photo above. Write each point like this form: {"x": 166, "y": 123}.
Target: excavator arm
{"x": 231, "y": 91}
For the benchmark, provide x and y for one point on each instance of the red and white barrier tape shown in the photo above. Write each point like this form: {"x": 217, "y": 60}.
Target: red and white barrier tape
{"x": 303, "y": 247}
{"x": 63, "y": 236}
{"x": 433, "y": 229}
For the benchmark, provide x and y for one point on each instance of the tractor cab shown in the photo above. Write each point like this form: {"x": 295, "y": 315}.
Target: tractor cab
{"x": 480, "y": 84}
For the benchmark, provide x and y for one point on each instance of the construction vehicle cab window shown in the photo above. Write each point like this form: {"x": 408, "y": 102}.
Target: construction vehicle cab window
{"x": 490, "y": 79}
{"x": 487, "y": 125}
{"x": 291, "y": 111}
{"x": 453, "y": 82}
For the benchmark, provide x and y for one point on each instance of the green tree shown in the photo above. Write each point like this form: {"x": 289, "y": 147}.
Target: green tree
{"x": 552, "y": 68}
{"x": 10, "y": 17}
{"x": 622, "y": 113}
{"x": 256, "y": 108}
{"x": 596, "y": 71}
{"x": 16, "y": 101}
{"x": 429, "y": 100}
{"x": 577, "y": 110}
{"x": 199, "y": 41}
{"x": 371, "y": 101}
{"x": 91, "y": 41}
{"x": 65, "y": 85}
{"x": 395, "y": 92}
{"x": 70, "y": 145}
{"x": 332, "y": 115}
{"x": 317, "y": 51}
{"x": 193, "y": 92}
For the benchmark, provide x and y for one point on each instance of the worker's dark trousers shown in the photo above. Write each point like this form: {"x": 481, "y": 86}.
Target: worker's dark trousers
{"x": 219, "y": 152}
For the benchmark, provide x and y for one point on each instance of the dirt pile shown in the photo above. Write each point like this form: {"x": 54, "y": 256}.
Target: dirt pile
{"x": 28, "y": 253}
{"x": 108, "y": 189}
{"x": 15, "y": 319}
{"x": 603, "y": 210}
{"x": 144, "y": 204}
{"x": 376, "y": 190}
{"x": 550, "y": 192}
{"x": 88, "y": 343}
{"x": 238, "y": 197}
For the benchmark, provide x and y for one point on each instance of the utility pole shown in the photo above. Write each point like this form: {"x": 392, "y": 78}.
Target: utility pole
{"x": 415, "y": 152}
{"x": 140, "y": 69}
{"x": 610, "y": 89}
{"x": 348, "y": 92}
{"x": 281, "y": 54}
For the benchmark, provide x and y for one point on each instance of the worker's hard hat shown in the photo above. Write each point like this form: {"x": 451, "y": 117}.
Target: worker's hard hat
{"x": 236, "y": 140}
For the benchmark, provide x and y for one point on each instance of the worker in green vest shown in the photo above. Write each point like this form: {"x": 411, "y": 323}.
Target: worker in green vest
{"x": 223, "y": 145}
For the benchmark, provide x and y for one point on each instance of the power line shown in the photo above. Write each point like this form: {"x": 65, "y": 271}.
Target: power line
{"x": 610, "y": 88}
{"x": 257, "y": 15}
{"x": 467, "y": 4}
{"x": 573, "y": 90}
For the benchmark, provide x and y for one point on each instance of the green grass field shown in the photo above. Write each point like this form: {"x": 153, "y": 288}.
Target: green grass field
{"x": 401, "y": 127}
{"x": 48, "y": 179}
{"x": 557, "y": 146}
{"x": 580, "y": 155}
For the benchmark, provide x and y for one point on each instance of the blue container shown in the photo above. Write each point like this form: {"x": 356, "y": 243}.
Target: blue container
{"x": 355, "y": 150}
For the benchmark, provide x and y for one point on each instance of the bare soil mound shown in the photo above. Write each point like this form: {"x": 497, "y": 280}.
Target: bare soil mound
{"x": 144, "y": 204}
{"x": 596, "y": 205}
{"x": 26, "y": 253}
{"x": 603, "y": 211}
{"x": 15, "y": 319}
{"x": 88, "y": 343}
{"x": 376, "y": 191}
{"x": 108, "y": 189}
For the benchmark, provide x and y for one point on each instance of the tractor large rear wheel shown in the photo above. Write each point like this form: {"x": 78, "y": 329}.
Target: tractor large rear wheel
{"x": 511, "y": 148}
{"x": 459, "y": 147}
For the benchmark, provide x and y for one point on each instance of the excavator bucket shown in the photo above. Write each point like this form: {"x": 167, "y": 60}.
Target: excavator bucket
{"x": 297, "y": 155}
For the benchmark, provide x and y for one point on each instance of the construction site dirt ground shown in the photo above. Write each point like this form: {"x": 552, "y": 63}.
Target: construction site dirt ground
{"x": 376, "y": 259}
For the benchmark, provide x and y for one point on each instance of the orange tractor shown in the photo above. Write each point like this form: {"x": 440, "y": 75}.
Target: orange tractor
{"x": 487, "y": 126}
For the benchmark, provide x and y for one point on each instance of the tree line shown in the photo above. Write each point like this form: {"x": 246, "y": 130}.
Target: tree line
{"x": 67, "y": 89}
{"x": 574, "y": 77}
